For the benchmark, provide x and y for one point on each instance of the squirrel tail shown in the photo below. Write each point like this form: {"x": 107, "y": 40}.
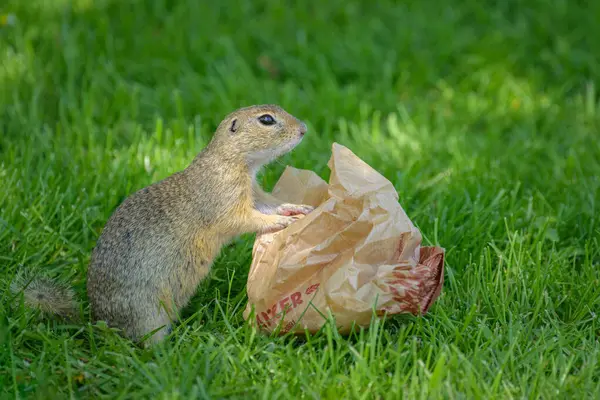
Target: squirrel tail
{"x": 46, "y": 295}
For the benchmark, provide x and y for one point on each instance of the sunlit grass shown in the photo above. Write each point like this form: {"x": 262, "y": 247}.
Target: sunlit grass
{"x": 484, "y": 118}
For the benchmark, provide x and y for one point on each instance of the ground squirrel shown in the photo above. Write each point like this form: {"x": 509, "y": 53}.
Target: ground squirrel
{"x": 161, "y": 241}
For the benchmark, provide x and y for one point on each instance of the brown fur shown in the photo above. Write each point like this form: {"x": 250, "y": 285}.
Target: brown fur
{"x": 161, "y": 241}
{"x": 45, "y": 295}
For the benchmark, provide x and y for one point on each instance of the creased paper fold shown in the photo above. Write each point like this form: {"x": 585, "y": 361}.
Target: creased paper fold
{"x": 356, "y": 252}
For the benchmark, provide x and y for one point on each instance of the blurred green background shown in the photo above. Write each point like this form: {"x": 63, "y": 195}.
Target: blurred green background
{"x": 484, "y": 115}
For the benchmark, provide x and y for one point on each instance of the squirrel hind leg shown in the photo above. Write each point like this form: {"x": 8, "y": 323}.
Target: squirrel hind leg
{"x": 157, "y": 337}
{"x": 153, "y": 329}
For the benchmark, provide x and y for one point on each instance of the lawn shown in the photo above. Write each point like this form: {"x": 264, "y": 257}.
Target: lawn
{"x": 484, "y": 115}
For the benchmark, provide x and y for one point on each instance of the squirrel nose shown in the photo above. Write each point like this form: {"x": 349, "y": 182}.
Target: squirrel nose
{"x": 303, "y": 128}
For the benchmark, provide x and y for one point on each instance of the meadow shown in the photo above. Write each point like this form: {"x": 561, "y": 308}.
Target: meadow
{"x": 484, "y": 115}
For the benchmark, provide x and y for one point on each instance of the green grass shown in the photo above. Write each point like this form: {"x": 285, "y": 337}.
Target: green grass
{"x": 485, "y": 116}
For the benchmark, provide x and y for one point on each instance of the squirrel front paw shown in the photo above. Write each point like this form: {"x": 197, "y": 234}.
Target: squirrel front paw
{"x": 293, "y": 209}
{"x": 282, "y": 222}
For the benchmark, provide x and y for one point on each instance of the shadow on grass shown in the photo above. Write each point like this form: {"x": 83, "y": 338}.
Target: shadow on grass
{"x": 113, "y": 62}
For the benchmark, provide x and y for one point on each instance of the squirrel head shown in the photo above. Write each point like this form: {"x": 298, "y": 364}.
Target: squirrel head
{"x": 259, "y": 133}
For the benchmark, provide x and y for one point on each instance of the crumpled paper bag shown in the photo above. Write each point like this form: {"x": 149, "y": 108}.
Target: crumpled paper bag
{"x": 356, "y": 253}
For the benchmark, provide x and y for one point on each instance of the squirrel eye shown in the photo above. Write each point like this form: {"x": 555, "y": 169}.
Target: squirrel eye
{"x": 266, "y": 119}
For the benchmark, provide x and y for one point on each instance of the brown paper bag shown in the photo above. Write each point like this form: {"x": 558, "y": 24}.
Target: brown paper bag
{"x": 356, "y": 253}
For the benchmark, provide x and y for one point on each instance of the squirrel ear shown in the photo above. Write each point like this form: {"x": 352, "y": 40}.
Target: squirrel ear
{"x": 233, "y": 126}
